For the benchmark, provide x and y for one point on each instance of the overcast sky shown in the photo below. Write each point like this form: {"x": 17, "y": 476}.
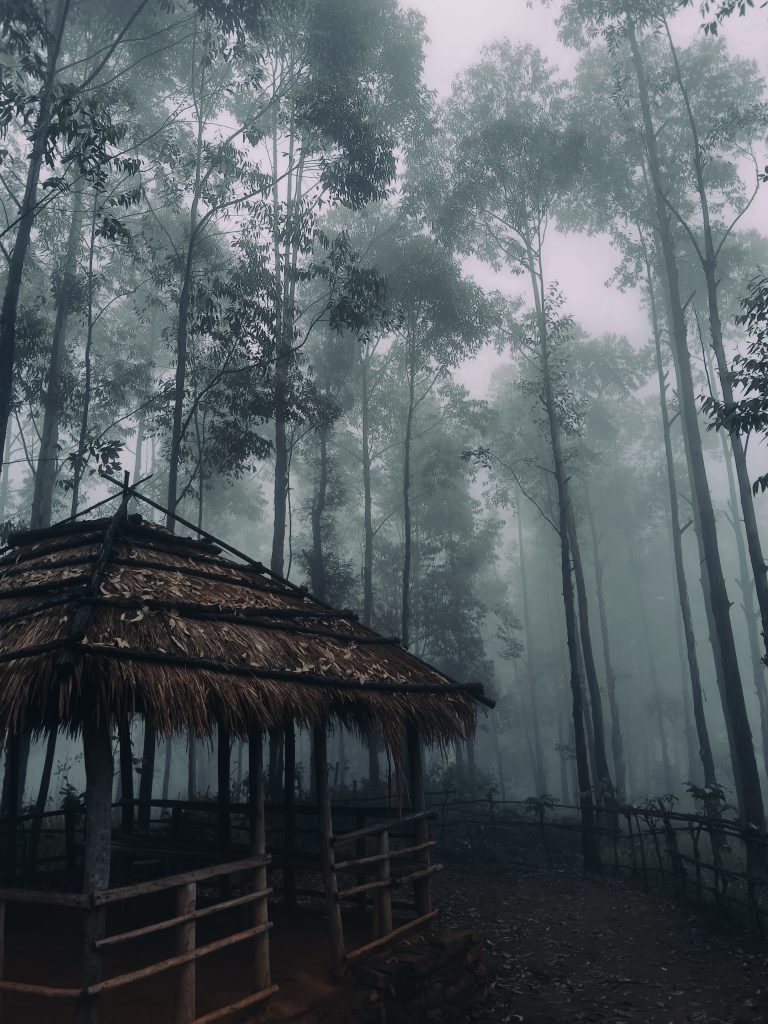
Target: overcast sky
{"x": 458, "y": 29}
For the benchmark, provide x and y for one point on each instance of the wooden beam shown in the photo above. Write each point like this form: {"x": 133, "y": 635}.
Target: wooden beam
{"x": 394, "y": 936}
{"x": 186, "y": 902}
{"x": 241, "y": 1004}
{"x": 335, "y": 929}
{"x": 128, "y": 892}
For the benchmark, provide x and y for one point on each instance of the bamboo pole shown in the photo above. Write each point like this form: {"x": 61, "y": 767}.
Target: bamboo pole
{"x": 289, "y": 797}
{"x": 97, "y": 754}
{"x": 186, "y": 902}
{"x": 335, "y": 929}
{"x": 422, "y": 888}
{"x": 257, "y": 843}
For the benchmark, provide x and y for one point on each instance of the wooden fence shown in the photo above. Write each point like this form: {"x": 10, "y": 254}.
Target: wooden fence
{"x": 714, "y": 861}
{"x": 183, "y": 922}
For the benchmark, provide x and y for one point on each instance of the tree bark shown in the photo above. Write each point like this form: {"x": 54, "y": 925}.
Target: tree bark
{"x": 48, "y": 454}
{"x": 746, "y": 776}
{"x": 539, "y": 767}
{"x": 367, "y": 616}
{"x": 405, "y": 613}
{"x": 16, "y": 263}
{"x": 617, "y": 742}
{"x": 317, "y": 565}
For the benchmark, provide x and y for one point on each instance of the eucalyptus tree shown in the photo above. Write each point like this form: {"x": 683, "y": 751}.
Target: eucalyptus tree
{"x": 511, "y": 154}
{"x": 580, "y": 22}
{"x": 353, "y": 96}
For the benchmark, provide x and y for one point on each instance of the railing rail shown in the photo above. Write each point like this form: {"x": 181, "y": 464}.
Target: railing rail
{"x": 183, "y": 921}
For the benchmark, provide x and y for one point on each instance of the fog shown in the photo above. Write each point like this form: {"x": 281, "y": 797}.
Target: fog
{"x": 383, "y": 294}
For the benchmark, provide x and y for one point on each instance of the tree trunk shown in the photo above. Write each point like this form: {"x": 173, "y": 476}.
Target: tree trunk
{"x": 18, "y": 257}
{"x": 5, "y": 477}
{"x": 405, "y": 616}
{"x": 82, "y": 440}
{"x": 48, "y": 455}
{"x": 367, "y": 501}
{"x": 745, "y": 772}
{"x": 602, "y": 768}
{"x": 317, "y": 564}
{"x": 617, "y": 742}
{"x": 147, "y": 774}
{"x": 699, "y": 717}
{"x": 539, "y": 767}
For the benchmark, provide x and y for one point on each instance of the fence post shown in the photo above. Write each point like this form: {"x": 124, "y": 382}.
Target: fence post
{"x": 383, "y": 918}
{"x": 258, "y": 846}
{"x": 186, "y": 902}
{"x": 335, "y": 929}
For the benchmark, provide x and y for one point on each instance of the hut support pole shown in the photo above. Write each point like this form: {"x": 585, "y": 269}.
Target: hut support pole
{"x": 289, "y": 872}
{"x": 335, "y": 930}
{"x": 12, "y": 809}
{"x": 97, "y": 755}
{"x": 258, "y": 847}
{"x": 126, "y": 774}
{"x": 224, "y": 749}
{"x": 422, "y": 888}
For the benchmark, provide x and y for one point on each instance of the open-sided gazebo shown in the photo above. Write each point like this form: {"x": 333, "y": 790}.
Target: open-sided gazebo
{"x": 106, "y": 620}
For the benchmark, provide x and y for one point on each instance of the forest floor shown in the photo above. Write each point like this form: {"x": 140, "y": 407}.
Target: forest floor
{"x": 566, "y": 949}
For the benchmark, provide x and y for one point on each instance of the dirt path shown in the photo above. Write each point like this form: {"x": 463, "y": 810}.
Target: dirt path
{"x": 568, "y": 950}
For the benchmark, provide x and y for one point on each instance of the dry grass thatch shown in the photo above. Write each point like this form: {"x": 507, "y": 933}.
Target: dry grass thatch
{"x": 120, "y": 617}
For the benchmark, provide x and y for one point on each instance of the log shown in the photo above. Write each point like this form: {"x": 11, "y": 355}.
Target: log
{"x": 127, "y": 892}
{"x": 383, "y": 923}
{"x": 382, "y": 826}
{"x": 233, "y": 1008}
{"x": 171, "y": 922}
{"x": 394, "y": 936}
{"x": 374, "y": 858}
{"x": 174, "y": 961}
{"x": 355, "y": 890}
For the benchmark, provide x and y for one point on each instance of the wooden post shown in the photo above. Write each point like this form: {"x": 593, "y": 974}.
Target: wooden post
{"x": 289, "y": 798}
{"x": 12, "y": 819}
{"x": 2, "y": 950}
{"x": 97, "y": 754}
{"x": 422, "y": 887}
{"x": 126, "y": 774}
{"x": 186, "y": 902}
{"x": 258, "y": 848}
{"x": 383, "y": 921}
{"x": 335, "y": 930}
{"x": 224, "y": 748}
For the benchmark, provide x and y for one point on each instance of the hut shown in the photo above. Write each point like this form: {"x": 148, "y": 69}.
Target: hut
{"x": 111, "y": 620}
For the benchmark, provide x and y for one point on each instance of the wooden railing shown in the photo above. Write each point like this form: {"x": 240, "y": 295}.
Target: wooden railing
{"x": 384, "y": 864}
{"x": 184, "y": 922}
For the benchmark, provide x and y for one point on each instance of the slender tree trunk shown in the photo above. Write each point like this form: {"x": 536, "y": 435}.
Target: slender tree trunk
{"x": 82, "y": 440}
{"x": 617, "y": 742}
{"x": 5, "y": 477}
{"x": 709, "y": 262}
{"x": 48, "y": 455}
{"x": 367, "y": 617}
{"x": 745, "y": 771}
{"x": 18, "y": 257}
{"x": 602, "y": 768}
{"x": 191, "y": 766}
{"x": 42, "y": 796}
{"x": 539, "y": 767}
{"x": 699, "y": 717}
{"x": 317, "y": 565}
{"x": 405, "y": 616}
{"x": 167, "y": 768}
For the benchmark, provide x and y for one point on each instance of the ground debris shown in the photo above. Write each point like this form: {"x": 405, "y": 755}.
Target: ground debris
{"x": 567, "y": 949}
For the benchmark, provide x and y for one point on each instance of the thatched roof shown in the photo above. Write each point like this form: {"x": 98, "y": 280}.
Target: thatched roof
{"x": 121, "y": 616}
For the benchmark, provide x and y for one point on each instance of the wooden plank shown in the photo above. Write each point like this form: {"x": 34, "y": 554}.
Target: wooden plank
{"x": 347, "y": 894}
{"x": 381, "y": 826}
{"x": 394, "y": 936}
{"x": 242, "y": 1004}
{"x": 375, "y": 858}
{"x": 128, "y": 892}
{"x": 171, "y": 922}
{"x": 176, "y": 961}
{"x": 186, "y": 901}
{"x": 46, "y": 991}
